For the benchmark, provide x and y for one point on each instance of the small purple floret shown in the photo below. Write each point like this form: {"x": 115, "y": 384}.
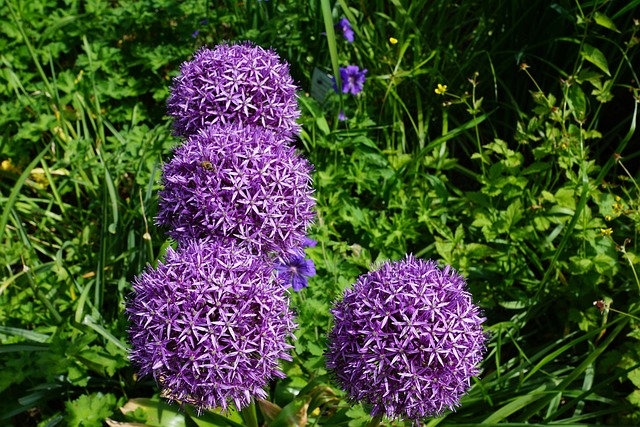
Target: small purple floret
{"x": 294, "y": 269}
{"x": 347, "y": 30}
{"x": 407, "y": 339}
{"x": 352, "y": 79}
{"x": 210, "y": 324}
{"x": 243, "y": 182}
{"x": 234, "y": 83}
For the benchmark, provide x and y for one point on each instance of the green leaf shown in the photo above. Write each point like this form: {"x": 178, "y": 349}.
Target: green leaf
{"x": 634, "y": 398}
{"x": 157, "y": 412}
{"x": 580, "y": 265}
{"x": 214, "y": 419}
{"x": 596, "y": 57}
{"x": 90, "y": 410}
{"x": 24, "y": 333}
{"x": 605, "y": 264}
{"x": 604, "y": 21}
{"x": 588, "y": 75}
{"x": 565, "y": 197}
{"x": 94, "y": 357}
{"x": 15, "y": 191}
{"x": 513, "y": 305}
{"x": 359, "y": 417}
{"x": 294, "y": 414}
{"x": 577, "y": 102}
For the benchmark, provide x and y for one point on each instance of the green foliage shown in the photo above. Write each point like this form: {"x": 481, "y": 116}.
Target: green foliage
{"x": 89, "y": 410}
{"x": 518, "y": 173}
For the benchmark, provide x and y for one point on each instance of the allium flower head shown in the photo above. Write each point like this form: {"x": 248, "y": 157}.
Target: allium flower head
{"x": 210, "y": 324}
{"x": 352, "y": 79}
{"x": 406, "y": 339}
{"x": 347, "y": 31}
{"x": 237, "y": 181}
{"x": 294, "y": 269}
{"x": 234, "y": 83}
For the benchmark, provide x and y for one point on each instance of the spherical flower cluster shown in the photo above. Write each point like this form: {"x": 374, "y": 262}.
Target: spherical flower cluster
{"x": 244, "y": 182}
{"x": 209, "y": 324}
{"x": 234, "y": 83}
{"x": 407, "y": 339}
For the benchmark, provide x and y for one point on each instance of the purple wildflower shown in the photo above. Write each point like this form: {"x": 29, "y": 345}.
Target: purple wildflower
{"x": 293, "y": 269}
{"x": 352, "y": 79}
{"x": 210, "y": 324}
{"x": 238, "y": 181}
{"x": 342, "y": 116}
{"x": 234, "y": 83}
{"x": 406, "y": 339}
{"x": 347, "y": 30}
{"x": 195, "y": 34}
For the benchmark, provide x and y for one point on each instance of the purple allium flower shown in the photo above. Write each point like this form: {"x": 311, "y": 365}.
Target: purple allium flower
{"x": 241, "y": 83}
{"x": 352, "y": 79}
{"x": 293, "y": 269}
{"x": 347, "y": 30}
{"x": 244, "y": 182}
{"x": 406, "y": 339}
{"x": 210, "y": 324}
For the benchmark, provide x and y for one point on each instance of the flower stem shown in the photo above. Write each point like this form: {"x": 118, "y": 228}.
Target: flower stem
{"x": 249, "y": 415}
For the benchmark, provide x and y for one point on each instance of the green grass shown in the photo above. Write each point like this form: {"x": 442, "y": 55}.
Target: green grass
{"x": 521, "y": 175}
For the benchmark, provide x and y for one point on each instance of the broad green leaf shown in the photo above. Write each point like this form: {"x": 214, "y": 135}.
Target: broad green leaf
{"x": 634, "y": 398}
{"x": 158, "y": 413}
{"x": 294, "y": 414}
{"x": 580, "y": 265}
{"x": 596, "y": 57}
{"x": 604, "y": 21}
{"x": 90, "y": 410}
{"x": 214, "y": 419}
{"x": 577, "y": 102}
{"x": 513, "y": 305}
{"x": 588, "y": 75}
{"x": 605, "y": 264}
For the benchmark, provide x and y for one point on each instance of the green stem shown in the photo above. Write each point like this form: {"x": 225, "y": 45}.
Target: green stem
{"x": 622, "y": 313}
{"x": 375, "y": 421}
{"x": 249, "y": 415}
{"x": 333, "y": 48}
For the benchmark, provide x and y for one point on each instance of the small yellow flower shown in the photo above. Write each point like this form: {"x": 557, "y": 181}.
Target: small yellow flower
{"x": 607, "y": 217}
{"x": 393, "y": 40}
{"x": 618, "y": 198}
{"x": 606, "y": 231}
{"x": 441, "y": 89}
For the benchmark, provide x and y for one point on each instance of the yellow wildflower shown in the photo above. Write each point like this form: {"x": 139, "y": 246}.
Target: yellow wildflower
{"x": 607, "y": 217}
{"x": 606, "y": 231}
{"x": 441, "y": 89}
{"x": 393, "y": 40}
